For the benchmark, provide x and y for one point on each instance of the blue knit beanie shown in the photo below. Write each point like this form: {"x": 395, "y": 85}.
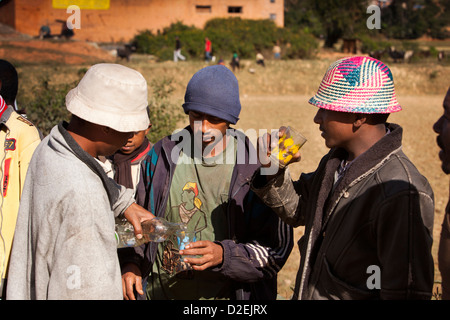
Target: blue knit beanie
{"x": 214, "y": 90}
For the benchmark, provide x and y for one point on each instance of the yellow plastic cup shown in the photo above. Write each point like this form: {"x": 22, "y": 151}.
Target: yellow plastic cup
{"x": 288, "y": 145}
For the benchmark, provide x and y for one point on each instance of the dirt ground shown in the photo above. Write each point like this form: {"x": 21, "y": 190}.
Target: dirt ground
{"x": 53, "y": 51}
{"x": 272, "y": 96}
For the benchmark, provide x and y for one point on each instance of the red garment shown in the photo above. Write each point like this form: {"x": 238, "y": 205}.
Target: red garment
{"x": 3, "y": 106}
{"x": 208, "y": 45}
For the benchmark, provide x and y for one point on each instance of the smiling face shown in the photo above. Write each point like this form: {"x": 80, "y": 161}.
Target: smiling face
{"x": 211, "y": 128}
{"x": 442, "y": 128}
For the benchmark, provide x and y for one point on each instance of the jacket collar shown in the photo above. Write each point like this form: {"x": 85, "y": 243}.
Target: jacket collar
{"x": 361, "y": 167}
{"x": 112, "y": 189}
{"x": 370, "y": 159}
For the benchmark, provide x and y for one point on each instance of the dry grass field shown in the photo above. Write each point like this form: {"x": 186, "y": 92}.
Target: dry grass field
{"x": 278, "y": 94}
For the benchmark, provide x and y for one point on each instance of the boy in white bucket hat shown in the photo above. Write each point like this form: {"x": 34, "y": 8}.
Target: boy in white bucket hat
{"x": 367, "y": 211}
{"x": 64, "y": 245}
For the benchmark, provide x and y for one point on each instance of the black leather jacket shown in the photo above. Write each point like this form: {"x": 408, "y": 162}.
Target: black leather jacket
{"x": 367, "y": 237}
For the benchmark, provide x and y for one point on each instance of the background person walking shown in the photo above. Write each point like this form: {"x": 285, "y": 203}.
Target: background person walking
{"x": 208, "y": 50}
{"x": 177, "y": 52}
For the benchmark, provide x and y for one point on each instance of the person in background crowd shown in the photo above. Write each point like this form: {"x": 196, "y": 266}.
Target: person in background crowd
{"x": 128, "y": 159}
{"x": 276, "y": 51}
{"x": 260, "y": 59}
{"x": 177, "y": 52}
{"x": 235, "y": 62}
{"x": 208, "y": 50}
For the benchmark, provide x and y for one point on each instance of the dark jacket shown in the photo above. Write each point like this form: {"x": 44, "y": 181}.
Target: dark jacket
{"x": 368, "y": 238}
{"x": 258, "y": 244}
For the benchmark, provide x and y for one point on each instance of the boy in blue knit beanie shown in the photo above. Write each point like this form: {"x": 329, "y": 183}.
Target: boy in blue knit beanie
{"x": 212, "y": 95}
{"x": 215, "y": 91}
{"x": 240, "y": 243}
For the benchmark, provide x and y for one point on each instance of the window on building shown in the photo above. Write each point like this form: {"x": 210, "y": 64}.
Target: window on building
{"x": 234, "y": 9}
{"x": 203, "y": 9}
{"x": 273, "y": 16}
{"x": 272, "y": 1}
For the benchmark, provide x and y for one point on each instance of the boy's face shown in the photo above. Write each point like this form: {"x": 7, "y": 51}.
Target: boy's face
{"x": 134, "y": 142}
{"x": 112, "y": 141}
{"x": 211, "y": 128}
{"x": 442, "y": 127}
{"x": 336, "y": 127}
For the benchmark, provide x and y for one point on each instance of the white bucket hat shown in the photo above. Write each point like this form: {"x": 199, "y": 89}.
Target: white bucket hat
{"x": 111, "y": 95}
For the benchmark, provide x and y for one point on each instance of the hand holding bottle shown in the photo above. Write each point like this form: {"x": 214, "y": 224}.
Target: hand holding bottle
{"x": 135, "y": 214}
{"x": 154, "y": 230}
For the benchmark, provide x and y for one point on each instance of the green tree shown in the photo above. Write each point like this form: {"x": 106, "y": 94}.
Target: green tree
{"x": 47, "y": 106}
{"x": 299, "y": 14}
{"x": 402, "y": 19}
{"x": 242, "y": 36}
{"x": 233, "y": 35}
{"x": 411, "y": 19}
{"x": 333, "y": 19}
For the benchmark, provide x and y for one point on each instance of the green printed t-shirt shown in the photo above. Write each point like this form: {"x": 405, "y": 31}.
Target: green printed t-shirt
{"x": 198, "y": 197}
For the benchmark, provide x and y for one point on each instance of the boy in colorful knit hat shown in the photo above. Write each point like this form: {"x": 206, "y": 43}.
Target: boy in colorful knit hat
{"x": 368, "y": 212}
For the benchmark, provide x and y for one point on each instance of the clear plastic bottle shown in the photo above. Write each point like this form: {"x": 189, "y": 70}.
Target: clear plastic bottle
{"x": 154, "y": 230}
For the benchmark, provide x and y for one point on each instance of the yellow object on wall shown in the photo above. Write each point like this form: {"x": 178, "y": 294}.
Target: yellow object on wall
{"x": 83, "y": 4}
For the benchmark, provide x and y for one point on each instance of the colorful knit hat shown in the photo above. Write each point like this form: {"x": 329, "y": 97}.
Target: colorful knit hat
{"x": 358, "y": 85}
